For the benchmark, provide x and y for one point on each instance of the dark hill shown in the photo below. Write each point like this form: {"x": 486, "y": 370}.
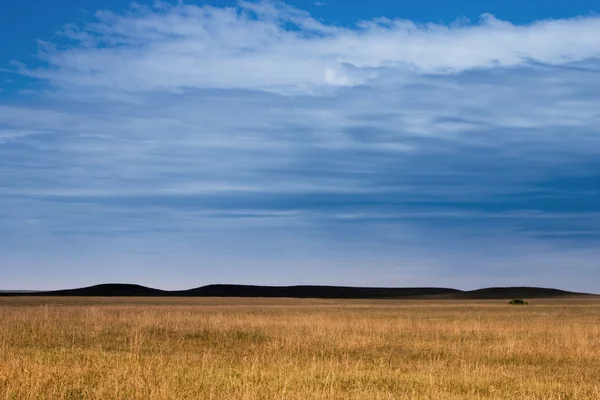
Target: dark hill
{"x": 108, "y": 289}
{"x": 322, "y": 292}
{"x": 523, "y": 292}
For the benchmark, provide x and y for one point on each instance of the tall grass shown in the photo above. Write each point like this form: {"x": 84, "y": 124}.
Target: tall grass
{"x": 297, "y": 349}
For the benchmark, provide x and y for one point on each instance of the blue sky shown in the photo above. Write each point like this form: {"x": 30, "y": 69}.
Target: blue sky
{"x": 180, "y": 144}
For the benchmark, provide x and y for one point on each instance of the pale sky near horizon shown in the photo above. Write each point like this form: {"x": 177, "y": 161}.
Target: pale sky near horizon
{"x": 179, "y": 144}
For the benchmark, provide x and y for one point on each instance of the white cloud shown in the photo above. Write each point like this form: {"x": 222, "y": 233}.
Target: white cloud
{"x": 274, "y": 47}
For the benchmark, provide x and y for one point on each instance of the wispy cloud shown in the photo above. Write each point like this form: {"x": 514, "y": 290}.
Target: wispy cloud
{"x": 275, "y": 47}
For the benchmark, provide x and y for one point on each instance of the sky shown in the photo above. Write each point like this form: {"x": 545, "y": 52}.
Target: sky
{"x": 179, "y": 144}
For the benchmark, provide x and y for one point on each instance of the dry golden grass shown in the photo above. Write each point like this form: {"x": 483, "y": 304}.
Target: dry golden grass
{"x": 297, "y": 349}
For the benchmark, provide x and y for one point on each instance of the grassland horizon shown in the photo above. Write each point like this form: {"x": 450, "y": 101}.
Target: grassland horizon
{"x": 258, "y": 348}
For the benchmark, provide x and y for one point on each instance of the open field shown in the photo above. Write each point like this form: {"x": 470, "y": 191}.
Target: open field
{"x": 171, "y": 348}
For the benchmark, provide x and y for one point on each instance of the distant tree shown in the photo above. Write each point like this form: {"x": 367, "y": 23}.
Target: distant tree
{"x": 518, "y": 302}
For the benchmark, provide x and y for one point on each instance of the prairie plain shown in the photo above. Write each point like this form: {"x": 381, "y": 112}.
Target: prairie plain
{"x": 232, "y": 348}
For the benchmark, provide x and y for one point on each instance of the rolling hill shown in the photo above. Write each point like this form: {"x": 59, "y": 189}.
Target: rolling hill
{"x": 322, "y": 292}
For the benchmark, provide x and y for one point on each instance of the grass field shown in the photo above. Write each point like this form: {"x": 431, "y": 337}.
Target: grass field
{"x": 171, "y": 348}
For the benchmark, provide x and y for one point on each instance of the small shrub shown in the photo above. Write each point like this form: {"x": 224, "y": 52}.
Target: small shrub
{"x": 518, "y": 302}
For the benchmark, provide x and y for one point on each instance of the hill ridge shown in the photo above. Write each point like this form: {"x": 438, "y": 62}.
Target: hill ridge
{"x": 306, "y": 291}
